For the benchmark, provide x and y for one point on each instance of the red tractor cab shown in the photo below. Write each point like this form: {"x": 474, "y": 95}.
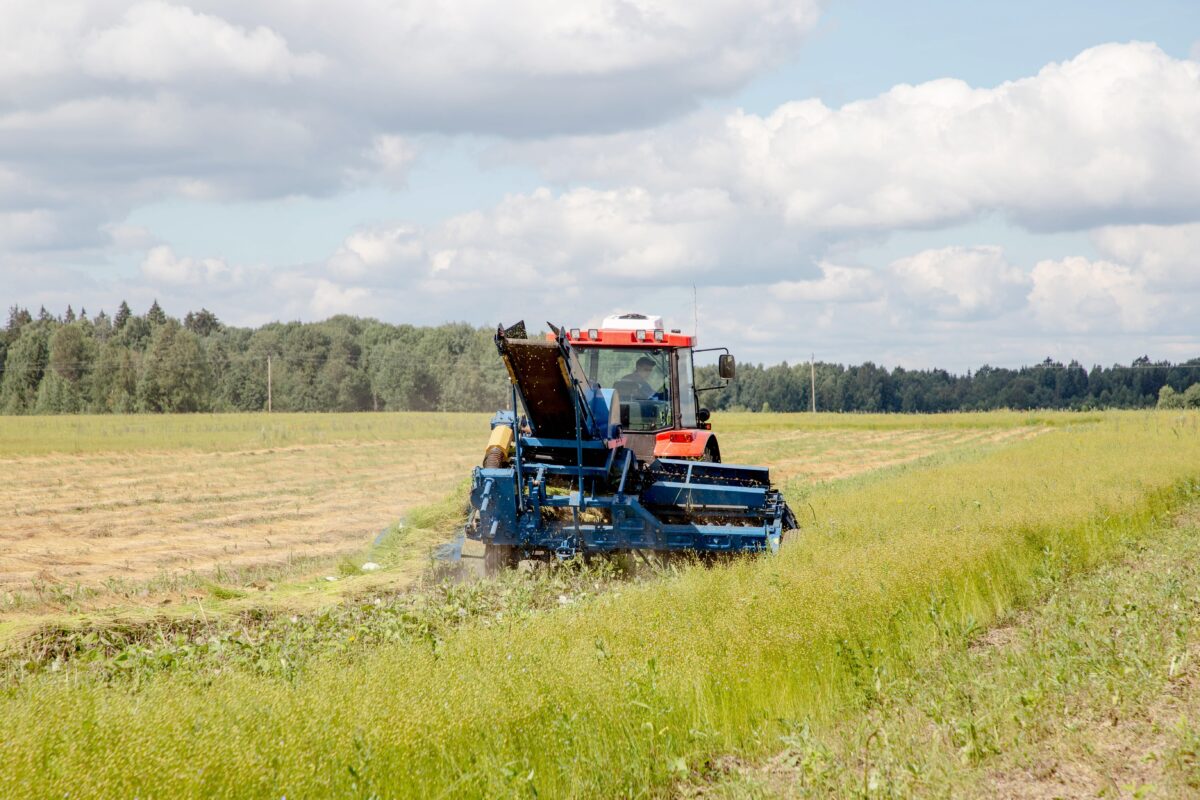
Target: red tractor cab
{"x": 652, "y": 371}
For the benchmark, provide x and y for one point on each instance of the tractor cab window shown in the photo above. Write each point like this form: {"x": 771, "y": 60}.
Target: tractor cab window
{"x": 687, "y": 389}
{"x": 642, "y": 379}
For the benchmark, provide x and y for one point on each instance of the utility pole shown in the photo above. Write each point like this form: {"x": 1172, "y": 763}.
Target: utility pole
{"x": 812, "y": 366}
{"x": 268, "y": 383}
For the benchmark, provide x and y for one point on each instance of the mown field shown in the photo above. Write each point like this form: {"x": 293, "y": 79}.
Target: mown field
{"x": 102, "y": 502}
{"x": 104, "y": 509}
{"x": 920, "y": 536}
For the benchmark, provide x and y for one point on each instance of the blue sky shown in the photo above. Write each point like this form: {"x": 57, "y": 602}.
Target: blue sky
{"x": 861, "y": 49}
{"x": 570, "y": 160}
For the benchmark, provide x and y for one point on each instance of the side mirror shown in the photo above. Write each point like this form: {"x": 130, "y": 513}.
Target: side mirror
{"x": 702, "y": 415}
{"x": 726, "y": 367}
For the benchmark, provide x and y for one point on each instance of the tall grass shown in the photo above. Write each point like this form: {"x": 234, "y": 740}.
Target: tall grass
{"x": 630, "y": 690}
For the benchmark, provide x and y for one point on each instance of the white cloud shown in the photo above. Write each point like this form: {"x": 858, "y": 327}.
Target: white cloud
{"x": 127, "y": 238}
{"x": 157, "y": 42}
{"x": 329, "y": 299}
{"x": 1105, "y": 137}
{"x": 1079, "y": 295}
{"x": 1167, "y": 255}
{"x": 961, "y": 282}
{"x": 24, "y": 230}
{"x": 390, "y": 157}
{"x": 625, "y": 236}
{"x": 836, "y": 285}
{"x": 368, "y": 251}
{"x": 162, "y": 266}
{"x": 523, "y": 67}
{"x": 106, "y": 105}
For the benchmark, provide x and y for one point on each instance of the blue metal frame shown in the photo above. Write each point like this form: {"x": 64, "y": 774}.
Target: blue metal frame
{"x": 754, "y": 516}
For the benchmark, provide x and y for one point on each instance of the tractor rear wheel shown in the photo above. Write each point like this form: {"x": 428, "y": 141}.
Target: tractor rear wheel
{"x": 497, "y": 557}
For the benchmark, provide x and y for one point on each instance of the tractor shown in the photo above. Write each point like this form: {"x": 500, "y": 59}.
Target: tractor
{"x": 605, "y": 450}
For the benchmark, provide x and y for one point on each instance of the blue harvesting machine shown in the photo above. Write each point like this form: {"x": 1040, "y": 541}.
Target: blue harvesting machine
{"x": 607, "y": 451}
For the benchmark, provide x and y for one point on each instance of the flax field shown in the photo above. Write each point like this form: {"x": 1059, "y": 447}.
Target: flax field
{"x": 918, "y": 534}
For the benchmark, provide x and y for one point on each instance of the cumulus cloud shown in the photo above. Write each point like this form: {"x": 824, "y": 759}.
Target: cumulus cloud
{"x": 1167, "y": 255}
{"x": 156, "y": 42}
{"x": 533, "y": 65}
{"x": 622, "y": 236}
{"x": 522, "y": 67}
{"x": 1079, "y": 295}
{"x": 106, "y": 105}
{"x": 961, "y": 282}
{"x": 836, "y": 285}
{"x": 391, "y": 156}
{"x": 329, "y": 299}
{"x": 162, "y": 266}
{"x": 1108, "y": 136}
{"x": 24, "y": 230}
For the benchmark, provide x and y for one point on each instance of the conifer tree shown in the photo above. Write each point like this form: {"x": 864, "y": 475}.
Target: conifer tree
{"x": 155, "y": 315}
{"x": 17, "y": 319}
{"x": 123, "y": 315}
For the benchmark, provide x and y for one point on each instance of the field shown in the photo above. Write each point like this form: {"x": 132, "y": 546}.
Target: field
{"x": 118, "y": 502}
{"x": 921, "y": 635}
{"x": 132, "y": 499}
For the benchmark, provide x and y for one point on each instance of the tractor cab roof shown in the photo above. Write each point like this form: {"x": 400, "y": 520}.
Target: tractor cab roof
{"x": 629, "y": 330}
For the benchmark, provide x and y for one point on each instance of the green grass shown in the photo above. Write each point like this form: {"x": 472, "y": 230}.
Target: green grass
{"x": 629, "y": 690}
{"x": 35, "y": 435}
{"x": 1094, "y": 692}
{"x": 745, "y": 421}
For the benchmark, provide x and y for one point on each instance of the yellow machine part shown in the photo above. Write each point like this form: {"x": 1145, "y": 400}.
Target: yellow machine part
{"x": 496, "y": 452}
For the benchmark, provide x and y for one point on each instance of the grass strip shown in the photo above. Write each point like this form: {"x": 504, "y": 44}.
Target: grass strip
{"x": 209, "y": 433}
{"x": 1094, "y": 692}
{"x": 625, "y": 693}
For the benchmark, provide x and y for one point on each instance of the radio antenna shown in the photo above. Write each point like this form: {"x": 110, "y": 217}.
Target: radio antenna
{"x": 695, "y": 314}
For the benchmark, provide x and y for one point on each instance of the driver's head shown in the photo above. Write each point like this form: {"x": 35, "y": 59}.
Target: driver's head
{"x": 645, "y": 366}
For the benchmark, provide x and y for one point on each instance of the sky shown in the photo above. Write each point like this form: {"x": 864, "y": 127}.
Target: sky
{"x": 914, "y": 184}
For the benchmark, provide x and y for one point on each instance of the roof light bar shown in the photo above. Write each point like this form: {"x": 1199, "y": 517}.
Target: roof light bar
{"x": 593, "y": 333}
{"x": 641, "y": 336}
{"x": 574, "y": 333}
{"x": 659, "y": 336}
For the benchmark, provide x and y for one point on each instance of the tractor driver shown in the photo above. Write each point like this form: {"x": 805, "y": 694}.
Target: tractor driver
{"x": 639, "y": 379}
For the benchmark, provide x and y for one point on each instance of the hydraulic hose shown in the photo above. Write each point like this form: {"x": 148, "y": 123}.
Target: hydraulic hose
{"x": 496, "y": 453}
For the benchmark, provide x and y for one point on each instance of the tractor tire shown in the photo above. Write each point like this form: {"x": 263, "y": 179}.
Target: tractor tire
{"x": 499, "y": 557}
{"x": 711, "y": 454}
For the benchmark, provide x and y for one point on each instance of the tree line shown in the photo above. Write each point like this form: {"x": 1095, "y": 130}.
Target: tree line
{"x": 127, "y": 363}
{"x": 130, "y": 363}
{"x": 870, "y": 388}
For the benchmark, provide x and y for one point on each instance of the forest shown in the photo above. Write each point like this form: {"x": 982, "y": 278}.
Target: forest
{"x": 129, "y": 363}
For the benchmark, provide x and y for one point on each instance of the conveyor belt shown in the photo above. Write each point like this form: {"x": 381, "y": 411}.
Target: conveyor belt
{"x": 542, "y": 377}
